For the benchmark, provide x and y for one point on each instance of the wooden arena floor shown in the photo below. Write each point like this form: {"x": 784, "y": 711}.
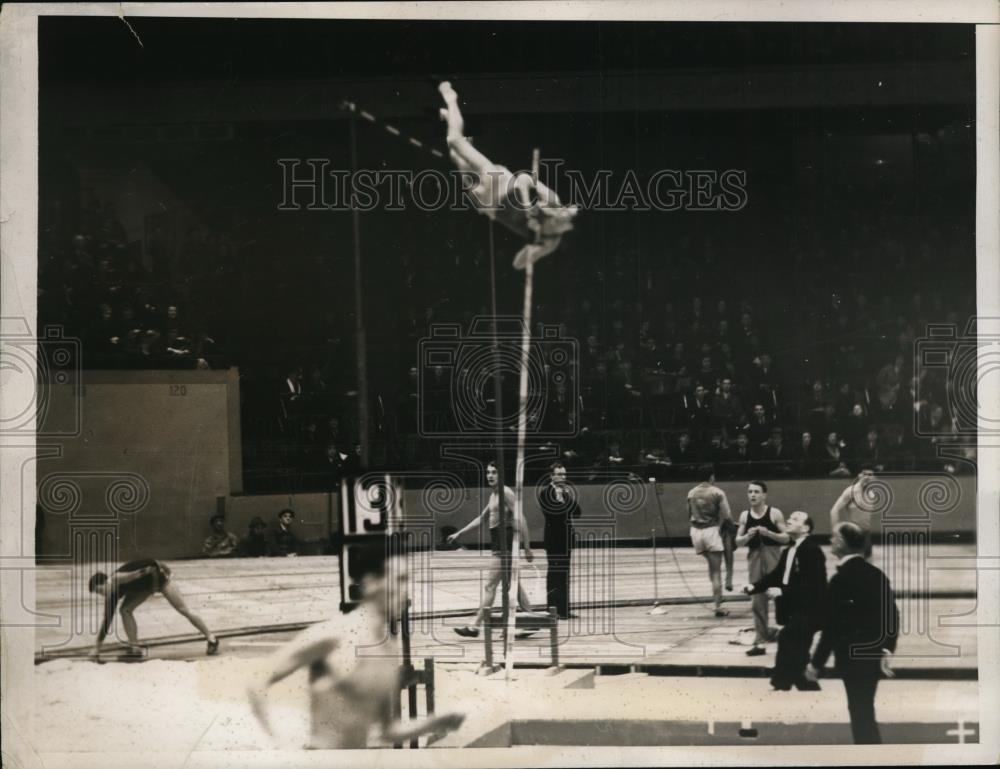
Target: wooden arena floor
{"x": 613, "y": 593}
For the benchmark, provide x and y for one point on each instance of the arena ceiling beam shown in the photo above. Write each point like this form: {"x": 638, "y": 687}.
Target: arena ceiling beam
{"x": 890, "y": 85}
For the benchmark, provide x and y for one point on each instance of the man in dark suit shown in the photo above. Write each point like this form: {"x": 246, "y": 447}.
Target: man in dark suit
{"x": 283, "y": 539}
{"x": 776, "y": 454}
{"x": 739, "y": 457}
{"x": 759, "y": 428}
{"x": 798, "y": 584}
{"x": 560, "y": 507}
{"x": 861, "y": 627}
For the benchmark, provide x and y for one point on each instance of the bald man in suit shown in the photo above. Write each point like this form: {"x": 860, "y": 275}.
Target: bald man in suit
{"x": 861, "y": 629}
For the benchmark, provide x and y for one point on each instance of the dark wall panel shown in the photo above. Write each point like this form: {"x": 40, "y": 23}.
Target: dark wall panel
{"x": 152, "y": 455}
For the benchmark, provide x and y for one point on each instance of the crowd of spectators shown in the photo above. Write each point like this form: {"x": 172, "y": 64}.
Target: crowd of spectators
{"x": 803, "y": 368}
{"x": 128, "y": 310}
{"x": 802, "y": 365}
{"x": 259, "y": 542}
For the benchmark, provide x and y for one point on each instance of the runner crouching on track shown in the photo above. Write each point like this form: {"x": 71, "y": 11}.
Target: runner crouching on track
{"x": 133, "y": 583}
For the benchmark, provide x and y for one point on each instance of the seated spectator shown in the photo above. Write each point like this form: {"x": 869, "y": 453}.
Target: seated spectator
{"x": 722, "y": 335}
{"x": 341, "y": 462}
{"x": 316, "y": 390}
{"x": 560, "y": 411}
{"x": 822, "y": 420}
{"x": 330, "y": 470}
{"x": 816, "y": 400}
{"x": 150, "y": 349}
{"x": 776, "y": 454}
{"x": 746, "y": 329}
{"x": 855, "y": 427}
{"x": 170, "y": 327}
{"x": 292, "y": 397}
{"x": 763, "y": 378}
{"x": 684, "y": 458}
{"x": 312, "y": 454}
{"x": 677, "y": 365}
{"x": 655, "y": 464}
{"x": 626, "y": 396}
{"x": 103, "y": 334}
{"x": 706, "y": 375}
{"x": 870, "y": 451}
{"x": 697, "y": 413}
{"x": 595, "y": 396}
{"x": 587, "y": 447}
{"x": 592, "y": 353}
{"x": 220, "y": 543}
{"x": 656, "y": 384}
{"x": 727, "y": 362}
{"x": 714, "y": 451}
{"x": 759, "y": 428}
{"x": 255, "y": 544}
{"x": 844, "y": 401}
{"x": 888, "y": 382}
{"x": 808, "y": 463}
{"x": 727, "y": 409}
{"x": 739, "y": 458}
{"x": 283, "y": 539}
{"x": 833, "y": 459}
{"x": 721, "y": 310}
{"x": 896, "y": 454}
{"x": 937, "y": 430}
{"x": 331, "y": 431}
{"x": 610, "y": 459}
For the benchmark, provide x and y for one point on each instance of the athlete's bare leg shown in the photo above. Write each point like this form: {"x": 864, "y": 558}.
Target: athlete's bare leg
{"x": 493, "y": 581}
{"x": 130, "y": 603}
{"x": 463, "y": 154}
{"x": 715, "y": 575}
{"x": 727, "y": 557}
{"x": 175, "y": 599}
{"x": 489, "y": 591}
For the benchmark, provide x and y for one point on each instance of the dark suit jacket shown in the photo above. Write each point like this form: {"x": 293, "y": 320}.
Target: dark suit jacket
{"x": 255, "y": 546}
{"x": 805, "y": 593}
{"x": 771, "y": 455}
{"x": 558, "y": 520}
{"x": 862, "y": 619}
{"x": 739, "y": 466}
{"x": 283, "y": 542}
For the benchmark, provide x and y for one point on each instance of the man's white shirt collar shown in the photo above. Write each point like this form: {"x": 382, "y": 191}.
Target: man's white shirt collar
{"x": 791, "y": 558}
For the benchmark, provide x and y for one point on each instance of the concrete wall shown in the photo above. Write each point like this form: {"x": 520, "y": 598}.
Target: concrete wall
{"x": 907, "y": 502}
{"x": 145, "y": 458}
{"x": 152, "y": 453}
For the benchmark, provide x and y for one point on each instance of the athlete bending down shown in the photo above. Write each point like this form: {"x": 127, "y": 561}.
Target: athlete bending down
{"x": 133, "y": 583}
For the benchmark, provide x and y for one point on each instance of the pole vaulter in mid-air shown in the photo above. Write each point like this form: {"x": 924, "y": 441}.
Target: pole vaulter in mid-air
{"x": 517, "y": 201}
{"x": 523, "y": 204}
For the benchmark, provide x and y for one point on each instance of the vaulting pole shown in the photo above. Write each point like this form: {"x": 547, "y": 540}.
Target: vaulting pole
{"x": 498, "y": 411}
{"x": 522, "y": 431}
{"x": 359, "y": 325}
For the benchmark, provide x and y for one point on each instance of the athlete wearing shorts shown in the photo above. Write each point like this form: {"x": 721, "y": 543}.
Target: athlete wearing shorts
{"x": 762, "y": 532}
{"x": 499, "y": 566}
{"x": 132, "y": 583}
{"x": 708, "y": 510}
